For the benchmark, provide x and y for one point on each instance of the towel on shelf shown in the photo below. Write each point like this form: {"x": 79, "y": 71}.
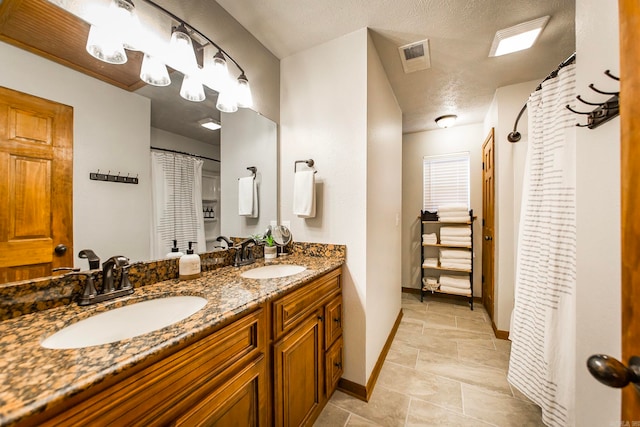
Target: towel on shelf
{"x": 429, "y": 239}
{"x": 456, "y": 291}
{"x": 430, "y": 262}
{"x": 248, "y": 197}
{"x": 453, "y": 207}
{"x": 449, "y": 242}
{"x": 455, "y": 254}
{"x": 429, "y": 283}
{"x": 304, "y": 194}
{"x": 453, "y": 218}
{"x": 455, "y": 231}
{"x": 455, "y": 281}
{"x": 457, "y": 264}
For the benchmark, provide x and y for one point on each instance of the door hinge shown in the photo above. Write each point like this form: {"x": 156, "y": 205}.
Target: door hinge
{"x": 483, "y": 278}
{"x": 483, "y": 222}
{"x": 482, "y": 165}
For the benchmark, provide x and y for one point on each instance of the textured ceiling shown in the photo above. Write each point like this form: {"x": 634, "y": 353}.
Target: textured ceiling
{"x": 462, "y": 78}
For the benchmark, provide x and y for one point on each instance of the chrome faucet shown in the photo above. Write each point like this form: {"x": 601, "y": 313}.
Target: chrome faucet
{"x": 244, "y": 254}
{"x": 109, "y": 289}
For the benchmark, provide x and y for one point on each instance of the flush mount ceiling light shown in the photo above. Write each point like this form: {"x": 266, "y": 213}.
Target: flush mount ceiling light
{"x": 446, "y": 121}
{"x": 516, "y": 38}
{"x": 209, "y": 123}
{"x": 118, "y": 27}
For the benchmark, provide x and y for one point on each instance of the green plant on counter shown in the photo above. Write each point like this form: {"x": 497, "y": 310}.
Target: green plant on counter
{"x": 268, "y": 240}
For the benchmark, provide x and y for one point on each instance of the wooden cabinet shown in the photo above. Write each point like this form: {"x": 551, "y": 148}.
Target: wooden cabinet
{"x": 307, "y": 350}
{"x": 277, "y": 365}
{"x": 218, "y": 380}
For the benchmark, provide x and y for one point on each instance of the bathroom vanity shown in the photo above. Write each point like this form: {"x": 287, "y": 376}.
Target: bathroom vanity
{"x": 260, "y": 352}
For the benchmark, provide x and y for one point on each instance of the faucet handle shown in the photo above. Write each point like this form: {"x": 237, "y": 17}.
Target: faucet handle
{"x": 124, "y": 280}
{"x": 89, "y": 292}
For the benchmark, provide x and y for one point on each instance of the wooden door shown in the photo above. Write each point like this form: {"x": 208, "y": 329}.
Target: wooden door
{"x": 36, "y": 167}
{"x": 629, "y": 16}
{"x": 298, "y": 373}
{"x": 488, "y": 189}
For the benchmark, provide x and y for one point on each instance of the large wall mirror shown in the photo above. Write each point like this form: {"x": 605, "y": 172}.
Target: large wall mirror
{"x": 116, "y": 123}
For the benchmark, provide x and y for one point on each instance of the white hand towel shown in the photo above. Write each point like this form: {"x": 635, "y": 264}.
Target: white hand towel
{"x": 455, "y": 231}
{"x": 456, "y": 291}
{"x": 453, "y": 218}
{"x": 247, "y": 197}
{"x": 453, "y": 254}
{"x": 453, "y": 208}
{"x": 304, "y": 194}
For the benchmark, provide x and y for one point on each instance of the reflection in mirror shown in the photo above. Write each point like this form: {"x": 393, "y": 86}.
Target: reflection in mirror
{"x": 113, "y": 130}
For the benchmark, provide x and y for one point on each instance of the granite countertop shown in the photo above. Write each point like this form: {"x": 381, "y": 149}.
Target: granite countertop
{"x": 33, "y": 378}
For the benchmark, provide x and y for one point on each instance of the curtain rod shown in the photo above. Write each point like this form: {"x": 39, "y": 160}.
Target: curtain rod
{"x": 182, "y": 152}
{"x": 515, "y": 135}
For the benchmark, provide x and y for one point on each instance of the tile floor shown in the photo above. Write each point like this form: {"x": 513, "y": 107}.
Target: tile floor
{"x": 445, "y": 368}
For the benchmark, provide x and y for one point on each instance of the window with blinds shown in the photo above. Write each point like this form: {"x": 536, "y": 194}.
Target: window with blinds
{"x": 445, "y": 180}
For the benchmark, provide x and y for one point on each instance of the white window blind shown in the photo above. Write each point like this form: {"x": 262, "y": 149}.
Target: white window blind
{"x": 446, "y": 180}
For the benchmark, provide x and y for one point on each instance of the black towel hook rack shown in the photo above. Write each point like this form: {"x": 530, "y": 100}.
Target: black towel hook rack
{"x": 604, "y": 111}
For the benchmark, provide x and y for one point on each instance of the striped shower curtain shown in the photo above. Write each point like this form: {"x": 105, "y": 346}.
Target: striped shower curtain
{"x": 542, "y": 362}
{"x": 176, "y": 186}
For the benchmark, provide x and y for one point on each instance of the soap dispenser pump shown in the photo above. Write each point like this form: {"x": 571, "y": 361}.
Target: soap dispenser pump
{"x": 189, "y": 265}
{"x": 175, "y": 252}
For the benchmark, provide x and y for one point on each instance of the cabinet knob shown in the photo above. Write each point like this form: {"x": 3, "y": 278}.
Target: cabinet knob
{"x": 320, "y": 318}
{"x": 338, "y": 365}
{"x": 337, "y": 320}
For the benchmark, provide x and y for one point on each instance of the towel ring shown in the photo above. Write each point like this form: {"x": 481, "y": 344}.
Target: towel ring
{"x": 309, "y": 163}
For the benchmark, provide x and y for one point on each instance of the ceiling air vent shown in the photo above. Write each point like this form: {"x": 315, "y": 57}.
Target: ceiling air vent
{"x": 415, "y": 56}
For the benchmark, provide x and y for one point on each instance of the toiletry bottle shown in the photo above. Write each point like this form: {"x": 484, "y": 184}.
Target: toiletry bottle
{"x": 189, "y": 265}
{"x": 175, "y": 252}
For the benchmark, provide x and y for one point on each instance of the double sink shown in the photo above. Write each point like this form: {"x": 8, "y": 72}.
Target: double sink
{"x": 147, "y": 316}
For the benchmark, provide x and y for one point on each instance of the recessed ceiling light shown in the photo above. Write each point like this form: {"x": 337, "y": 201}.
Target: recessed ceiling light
{"x": 516, "y": 38}
{"x": 446, "y": 120}
{"x": 210, "y": 124}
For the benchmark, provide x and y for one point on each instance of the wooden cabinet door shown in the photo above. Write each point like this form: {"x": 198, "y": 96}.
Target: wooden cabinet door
{"x": 298, "y": 375}
{"x": 36, "y": 159}
{"x": 333, "y": 320}
{"x": 240, "y": 402}
{"x": 333, "y": 367}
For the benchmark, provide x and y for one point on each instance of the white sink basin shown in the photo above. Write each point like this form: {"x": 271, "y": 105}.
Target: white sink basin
{"x": 125, "y": 322}
{"x": 273, "y": 271}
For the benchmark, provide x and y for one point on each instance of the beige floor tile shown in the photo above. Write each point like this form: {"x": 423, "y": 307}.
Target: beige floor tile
{"x": 402, "y": 354}
{"x": 356, "y": 421}
{"x": 385, "y": 407}
{"x": 475, "y": 325}
{"x": 460, "y": 336}
{"x": 455, "y": 310}
{"x": 332, "y": 416}
{"x": 499, "y": 409}
{"x": 483, "y": 356}
{"x": 411, "y": 326}
{"x": 421, "y": 385}
{"x": 490, "y": 378}
{"x": 423, "y": 413}
{"x": 502, "y": 345}
{"x": 429, "y": 344}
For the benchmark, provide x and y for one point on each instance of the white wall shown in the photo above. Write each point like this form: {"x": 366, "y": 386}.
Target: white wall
{"x": 248, "y": 139}
{"x": 509, "y": 170}
{"x": 384, "y": 206}
{"x": 429, "y": 143}
{"x": 598, "y": 215}
{"x": 337, "y": 108}
{"x": 110, "y": 133}
{"x": 324, "y": 117}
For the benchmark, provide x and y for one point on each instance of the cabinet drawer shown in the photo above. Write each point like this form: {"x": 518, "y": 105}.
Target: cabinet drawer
{"x": 162, "y": 391}
{"x": 291, "y": 309}
{"x": 333, "y": 320}
{"x": 333, "y": 367}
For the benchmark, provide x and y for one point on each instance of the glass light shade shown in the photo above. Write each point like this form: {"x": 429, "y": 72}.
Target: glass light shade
{"x": 192, "y": 89}
{"x": 446, "y": 121}
{"x": 103, "y": 45}
{"x": 183, "y": 57}
{"x": 154, "y": 72}
{"x": 124, "y": 20}
{"x": 217, "y": 72}
{"x": 243, "y": 92}
{"x": 227, "y": 102}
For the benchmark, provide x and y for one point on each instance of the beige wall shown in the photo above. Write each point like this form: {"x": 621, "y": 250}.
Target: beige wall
{"x": 598, "y": 215}
{"x": 384, "y": 206}
{"x": 509, "y": 170}
{"x": 414, "y": 147}
{"x": 338, "y": 109}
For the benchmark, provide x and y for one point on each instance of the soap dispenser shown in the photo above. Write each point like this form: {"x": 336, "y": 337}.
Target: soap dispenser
{"x": 175, "y": 252}
{"x": 189, "y": 265}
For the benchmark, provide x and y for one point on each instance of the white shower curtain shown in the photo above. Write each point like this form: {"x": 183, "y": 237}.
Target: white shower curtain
{"x": 176, "y": 185}
{"x": 542, "y": 362}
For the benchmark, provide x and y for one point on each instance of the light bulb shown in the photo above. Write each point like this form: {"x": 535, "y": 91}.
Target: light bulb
{"x": 217, "y": 72}
{"x": 192, "y": 89}
{"x": 182, "y": 55}
{"x": 101, "y": 44}
{"x": 243, "y": 92}
{"x": 227, "y": 102}
{"x": 154, "y": 72}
